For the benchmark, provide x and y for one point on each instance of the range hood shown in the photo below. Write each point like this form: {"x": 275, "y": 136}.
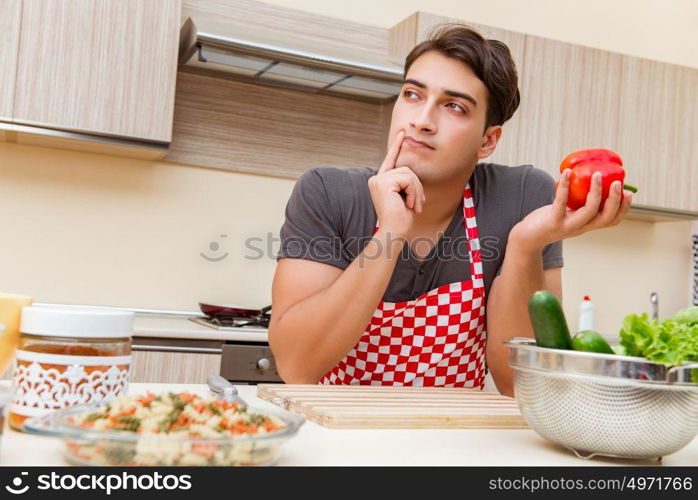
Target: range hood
{"x": 288, "y": 61}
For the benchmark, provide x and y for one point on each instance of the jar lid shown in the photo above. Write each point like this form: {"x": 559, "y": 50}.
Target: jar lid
{"x": 75, "y": 321}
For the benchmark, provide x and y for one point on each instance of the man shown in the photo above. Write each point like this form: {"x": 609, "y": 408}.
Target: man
{"x": 384, "y": 277}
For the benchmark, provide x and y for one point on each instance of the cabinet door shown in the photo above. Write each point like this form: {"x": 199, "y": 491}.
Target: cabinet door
{"x": 103, "y": 67}
{"x": 569, "y": 101}
{"x": 658, "y": 135}
{"x": 10, "y": 11}
{"x": 173, "y": 367}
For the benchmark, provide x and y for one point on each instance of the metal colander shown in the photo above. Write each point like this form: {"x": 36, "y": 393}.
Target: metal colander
{"x": 604, "y": 404}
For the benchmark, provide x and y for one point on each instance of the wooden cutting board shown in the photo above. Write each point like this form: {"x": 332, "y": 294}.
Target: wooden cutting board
{"x": 387, "y": 407}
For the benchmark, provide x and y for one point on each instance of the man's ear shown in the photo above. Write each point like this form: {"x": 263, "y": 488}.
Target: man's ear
{"x": 489, "y": 141}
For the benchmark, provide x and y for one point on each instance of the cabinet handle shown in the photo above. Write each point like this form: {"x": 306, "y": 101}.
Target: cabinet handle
{"x": 169, "y": 348}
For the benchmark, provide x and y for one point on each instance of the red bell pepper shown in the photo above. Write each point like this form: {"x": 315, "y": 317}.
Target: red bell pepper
{"x": 584, "y": 164}
{"x": 585, "y": 155}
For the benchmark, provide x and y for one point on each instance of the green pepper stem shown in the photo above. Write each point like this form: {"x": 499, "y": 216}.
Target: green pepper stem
{"x": 630, "y": 188}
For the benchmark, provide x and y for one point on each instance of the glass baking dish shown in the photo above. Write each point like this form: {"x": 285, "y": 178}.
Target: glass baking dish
{"x": 86, "y": 446}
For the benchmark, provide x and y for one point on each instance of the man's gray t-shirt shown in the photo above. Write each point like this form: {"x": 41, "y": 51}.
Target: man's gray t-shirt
{"x": 330, "y": 218}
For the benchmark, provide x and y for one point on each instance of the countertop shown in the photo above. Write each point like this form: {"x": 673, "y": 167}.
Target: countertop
{"x": 174, "y": 327}
{"x": 316, "y": 445}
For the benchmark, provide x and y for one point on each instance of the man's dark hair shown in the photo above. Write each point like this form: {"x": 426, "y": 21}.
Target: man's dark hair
{"x": 490, "y": 60}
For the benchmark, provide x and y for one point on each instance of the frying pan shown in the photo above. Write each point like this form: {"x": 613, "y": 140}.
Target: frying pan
{"x": 228, "y": 310}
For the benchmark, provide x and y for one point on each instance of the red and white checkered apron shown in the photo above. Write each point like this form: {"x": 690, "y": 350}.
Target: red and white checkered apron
{"x": 437, "y": 339}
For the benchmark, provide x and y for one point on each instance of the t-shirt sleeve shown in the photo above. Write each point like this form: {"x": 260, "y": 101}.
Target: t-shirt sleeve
{"x": 311, "y": 228}
{"x": 538, "y": 191}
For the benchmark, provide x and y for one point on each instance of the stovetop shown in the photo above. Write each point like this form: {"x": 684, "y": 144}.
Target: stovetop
{"x": 233, "y": 322}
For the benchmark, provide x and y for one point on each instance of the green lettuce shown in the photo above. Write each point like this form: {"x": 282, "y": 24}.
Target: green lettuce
{"x": 669, "y": 342}
{"x": 688, "y": 315}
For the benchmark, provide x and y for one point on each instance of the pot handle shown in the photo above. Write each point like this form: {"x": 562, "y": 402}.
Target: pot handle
{"x": 686, "y": 374}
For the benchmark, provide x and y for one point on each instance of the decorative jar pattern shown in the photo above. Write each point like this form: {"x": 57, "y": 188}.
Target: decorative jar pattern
{"x": 45, "y": 381}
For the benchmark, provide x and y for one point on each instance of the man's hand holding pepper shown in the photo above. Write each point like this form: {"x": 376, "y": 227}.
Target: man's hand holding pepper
{"x": 557, "y": 221}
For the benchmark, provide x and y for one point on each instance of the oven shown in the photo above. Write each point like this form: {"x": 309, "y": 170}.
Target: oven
{"x": 244, "y": 361}
{"x": 248, "y": 363}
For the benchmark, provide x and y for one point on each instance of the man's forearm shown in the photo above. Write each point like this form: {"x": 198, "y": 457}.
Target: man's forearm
{"x": 315, "y": 334}
{"x": 507, "y": 308}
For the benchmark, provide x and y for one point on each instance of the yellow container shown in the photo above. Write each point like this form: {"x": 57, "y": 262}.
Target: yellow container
{"x": 10, "y": 311}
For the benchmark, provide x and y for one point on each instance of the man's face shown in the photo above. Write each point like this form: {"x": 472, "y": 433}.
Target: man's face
{"x": 451, "y": 124}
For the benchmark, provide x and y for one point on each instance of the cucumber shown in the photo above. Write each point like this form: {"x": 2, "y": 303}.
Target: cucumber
{"x": 590, "y": 341}
{"x": 620, "y": 350}
{"x": 548, "y": 320}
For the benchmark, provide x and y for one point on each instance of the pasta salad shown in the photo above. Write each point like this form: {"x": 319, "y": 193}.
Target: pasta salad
{"x": 176, "y": 429}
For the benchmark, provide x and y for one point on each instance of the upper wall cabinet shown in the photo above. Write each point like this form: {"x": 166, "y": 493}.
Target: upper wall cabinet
{"x": 569, "y": 101}
{"x": 577, "y": 97}
{"x": 10, "y": 12}
{"x": 103, "y": 67}
{"x": 658, "y": 131}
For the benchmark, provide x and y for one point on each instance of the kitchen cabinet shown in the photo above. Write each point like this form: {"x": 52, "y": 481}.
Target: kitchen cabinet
{"x": 10, "y": 11}
{"x": 575, "y": 97}
{"x": 101, "y": 76}
{"x": 161, "y": 360}
{"x": 105, "y": 69}
{"x": 658, "y": 133}
{"x": 569, "y": 101}
{"x": 173, "y": 367}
